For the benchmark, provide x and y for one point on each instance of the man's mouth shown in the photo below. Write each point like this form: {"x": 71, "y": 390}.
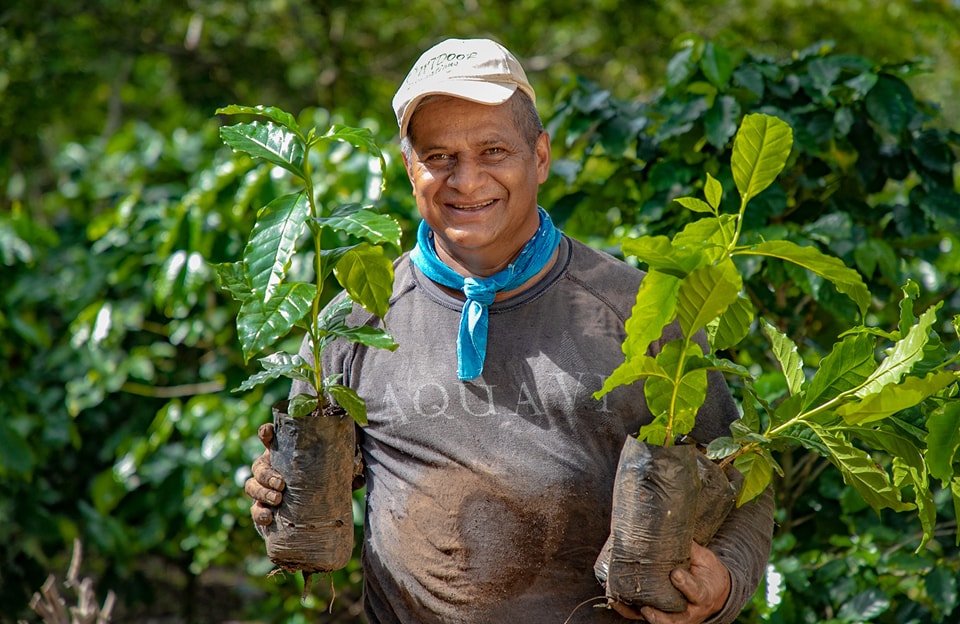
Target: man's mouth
{"x": 469, "y": 207}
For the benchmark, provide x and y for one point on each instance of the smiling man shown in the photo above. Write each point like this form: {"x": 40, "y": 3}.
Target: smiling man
{"x": 489, "y": 466}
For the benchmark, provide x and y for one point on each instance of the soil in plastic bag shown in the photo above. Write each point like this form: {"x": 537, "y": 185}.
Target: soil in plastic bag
{"x": 717, "y": 498}
{"x": 312, "y": 529}
{"x": 651, "y": 526}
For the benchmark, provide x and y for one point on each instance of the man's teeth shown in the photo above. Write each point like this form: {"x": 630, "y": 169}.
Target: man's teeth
{"x": 472, "y": 206}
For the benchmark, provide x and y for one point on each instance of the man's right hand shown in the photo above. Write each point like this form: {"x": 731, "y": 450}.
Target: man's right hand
{"x": 266, "y": 485}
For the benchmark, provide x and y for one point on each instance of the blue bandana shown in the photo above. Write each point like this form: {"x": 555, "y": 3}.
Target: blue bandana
{"x": 480, "y": 292}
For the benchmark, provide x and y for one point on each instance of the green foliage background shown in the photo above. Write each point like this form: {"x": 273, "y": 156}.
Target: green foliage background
{"x": 118, "y": 351}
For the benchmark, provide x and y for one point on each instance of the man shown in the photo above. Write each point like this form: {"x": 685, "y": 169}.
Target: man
{"x": 489, "y": 466}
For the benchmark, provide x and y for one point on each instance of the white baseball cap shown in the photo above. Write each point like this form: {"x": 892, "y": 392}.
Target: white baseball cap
{"x": 478, "y": 70}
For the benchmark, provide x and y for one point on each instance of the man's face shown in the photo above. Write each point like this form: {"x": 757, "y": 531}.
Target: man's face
{"x": 475, "y": 179}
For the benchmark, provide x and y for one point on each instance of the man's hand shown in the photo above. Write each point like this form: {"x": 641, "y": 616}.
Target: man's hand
{"x": 706, "y": 586}
{"x": 266, "y": 484}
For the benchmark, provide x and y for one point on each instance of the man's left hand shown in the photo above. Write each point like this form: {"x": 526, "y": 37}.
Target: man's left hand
{"x": 706, "y": 586}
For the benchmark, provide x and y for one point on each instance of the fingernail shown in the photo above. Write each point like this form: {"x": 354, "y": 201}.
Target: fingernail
{"x": 275, "y": 483}
{"x": 274, "y": 498}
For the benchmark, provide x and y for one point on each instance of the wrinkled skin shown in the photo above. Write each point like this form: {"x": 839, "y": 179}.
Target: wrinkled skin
{"x": 706, "y": 586}
{"x": 266, "y": 485}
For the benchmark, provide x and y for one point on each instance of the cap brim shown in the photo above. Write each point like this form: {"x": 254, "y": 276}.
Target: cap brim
{"x": 481, "y": 92}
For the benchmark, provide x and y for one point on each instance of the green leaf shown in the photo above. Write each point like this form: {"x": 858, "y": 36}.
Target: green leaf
{"x": 760, "y": 150}
{"x": 277, "y": 365}
{"x": 943, "y": 443}
{"x": 652, "y": 311}
{"x": 717, "y": 64}
{"x": 233, "y": 279}
{"x": 261, "y": 323}
{"x": 911, "y": 292}
{"x": 366, "y": 224}
{"x": 894, "y": 398}
{"x": 713, "y": 191}
{"x": 719, "y": 448}
{"x": 845, "y": 280}
{"x": 909, "y": 471}
{"x": 369, "y": 336}
{"x": 905, "y": 353}
{"x": 678, "y": 395}
{"x": 273, "y": 241}
{"x": 890, "y": 103}
{"x": 710, "y": 237}
{"x": 366, "y": 273}
{"x": 694, "y": 204}
{"x": 350, "y": 401}
{"x": 302, "y": 405}
{"x": 357, "y": 137}
{"x": 272, "y": 113}
{"x": 849, "y": 363}
{"x": 631, "y": 370}
{"x": 757, "y": 474}
{"x": 732, "y": 326}
{"x": 705, "y": 293}
{"x": 860, "y": 471}
{"x": 659, "y": 254}
{"x": 267, "y": 141}
{"x": 785, "y": 350}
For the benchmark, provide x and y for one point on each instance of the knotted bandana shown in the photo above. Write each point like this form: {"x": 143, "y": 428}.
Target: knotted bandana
{"x": 480, "y": 292}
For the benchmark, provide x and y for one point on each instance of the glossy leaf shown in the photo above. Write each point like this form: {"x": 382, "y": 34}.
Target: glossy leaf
{"x": 705, "y": 294}
{"x": 909, "y": 470}
{"x": 695, "y": 205}
{"x": 261, "y": 323}
{"x": 894, "y": 397}
{"x": 757, "y": 474}
{"x": 785, "y": 351}
{"x": 861, "y": 472}
{"x": 272, "y": 113}
{"x": 847, "y": 366}
{"x": 659, "y": 254}
{"x": 273, "y": 241}
{"x": 710, "y": 237}
{"x": 732, "y": 326}
{"x": 233, "y": 278}
{"x": 760, "y": 150}
{"x": 350, "y": 401}
{"x": 268, "y": 141}
{"x": 373, "y": 227}
{"x": 275, "y": 366}
{"x": 713, "y": 191}
{"x": 302, "y": 405}
{"x": 366, "y": 273}
{"x": 845, "y": 280}
{"x": 652, "y": 311}
{"x": 901, "y": 359}
{"x": 631, "y": 370}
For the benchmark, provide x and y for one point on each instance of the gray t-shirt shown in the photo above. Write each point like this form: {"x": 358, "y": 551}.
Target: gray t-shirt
{"x": 489, "y": 500}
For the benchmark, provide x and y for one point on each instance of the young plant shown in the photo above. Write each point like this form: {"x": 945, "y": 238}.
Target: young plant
{"x": 314, "y": 445}
{"x": 272, "y": 305}
{"x": 847, "y": 409}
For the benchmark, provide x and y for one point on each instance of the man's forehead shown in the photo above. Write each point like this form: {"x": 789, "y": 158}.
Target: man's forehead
{"x": 454, "y": 117}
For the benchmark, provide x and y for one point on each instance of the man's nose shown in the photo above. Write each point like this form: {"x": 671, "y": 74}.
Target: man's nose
{"x": 466, "y": 175}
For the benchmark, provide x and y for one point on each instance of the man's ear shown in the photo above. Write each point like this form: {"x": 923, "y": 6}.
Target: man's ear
{"x": 543, "y": 153}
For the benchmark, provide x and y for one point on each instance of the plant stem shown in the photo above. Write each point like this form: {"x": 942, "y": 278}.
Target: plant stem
{"x": 314, "y": 324}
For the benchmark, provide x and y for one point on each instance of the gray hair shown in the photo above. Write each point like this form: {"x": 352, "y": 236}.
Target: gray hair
{"x": 525, "y": 116}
